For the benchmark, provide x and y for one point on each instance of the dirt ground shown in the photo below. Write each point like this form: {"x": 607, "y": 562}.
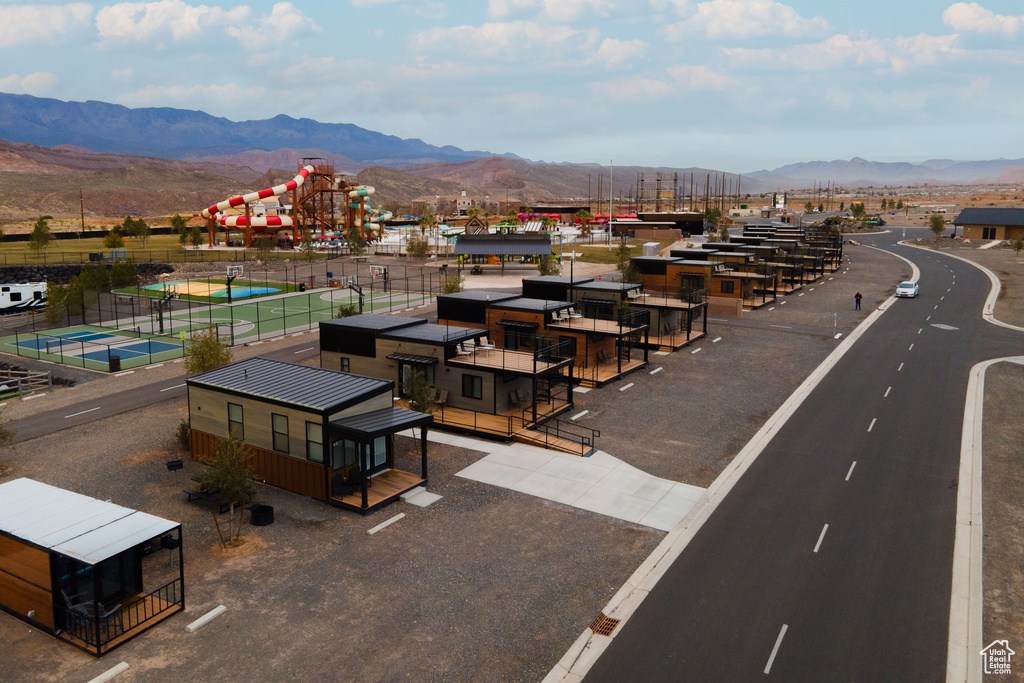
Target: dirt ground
{"x": 1003, "y": 515}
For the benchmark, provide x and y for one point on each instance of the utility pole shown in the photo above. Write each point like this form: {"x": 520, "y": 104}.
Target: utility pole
{"x": 81, "y": 205}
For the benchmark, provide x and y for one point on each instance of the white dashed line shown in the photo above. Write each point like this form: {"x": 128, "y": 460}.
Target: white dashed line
{"x": 694, "y": 351}
{"x": 785, "y": 327}
{"x": 800, "y": 294}
{"x": 655, "y": 371}
{"x": 775, "y": 650}
{"x": 919, "y": 331}
{"x": 772, "y": 308}
{"x": 626, "y": 387}
{"x": 311, "y": 348}
{"x": 850, "y": 473}
{"x": 838, "y": 336}
{"x": 716, "y": 340}
{"x": 911, "y": 348}
{"x": 899, "y": 368}
{"x": 872, "y": 425}
{"x": 579, "y": 415}
{"x": 821, "y": 537}
{"x": 176, "y": 386}
{"x": 127, "y": 372}
{"x": 886, "y": 395}
{"x": 151, "y": 367}
{"x": 82, "y": 413}
{"x": 928, "y": 318}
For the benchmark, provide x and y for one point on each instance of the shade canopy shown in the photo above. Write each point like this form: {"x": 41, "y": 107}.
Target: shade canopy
{"x": 380, "y": 422}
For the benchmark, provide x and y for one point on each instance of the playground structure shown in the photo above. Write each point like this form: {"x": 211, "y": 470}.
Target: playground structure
{"x": 314, "y": 201}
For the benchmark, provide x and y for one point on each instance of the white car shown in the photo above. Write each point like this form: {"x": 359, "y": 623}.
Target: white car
{"x": 907, "y": 289}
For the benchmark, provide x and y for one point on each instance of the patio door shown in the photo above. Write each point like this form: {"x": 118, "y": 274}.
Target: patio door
{"x": 405, "y": 371}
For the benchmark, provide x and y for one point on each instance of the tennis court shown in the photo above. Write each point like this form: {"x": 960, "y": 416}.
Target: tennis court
{"x": 92, "y": 347}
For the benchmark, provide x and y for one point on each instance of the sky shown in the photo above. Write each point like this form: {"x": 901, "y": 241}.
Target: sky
{"x": 736, "y": 85}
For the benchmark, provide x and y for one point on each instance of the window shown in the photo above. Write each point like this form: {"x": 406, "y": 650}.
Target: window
{"x": 728, "y": 286}
{"x": 235, "y": 427}
{"x": 344, "y": 453}
{"x": 15, "y": 296}
{"x": 38, "y": 296}
{"x": 314, "y": 442}
{"x": 380, "y": 451}
{"x": 472, "y": 386}
{"x": 568, "y": 346}
{"x": 345, "y": 365}
{"x": 280, "y": 424}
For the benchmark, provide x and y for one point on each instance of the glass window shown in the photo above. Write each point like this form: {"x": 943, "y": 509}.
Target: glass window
{"x": 380, "y": 451}
{"x": 314, "y": 442}
{"x": 472, "y": 386}
{"x": 728, "y": 286}
{"x": 280, "y": 423}
{"x": 345, "y": 365}
{"x": 344, "y": 453}
{"x": 235, "y": 427}
{"x": 15, "y": 296}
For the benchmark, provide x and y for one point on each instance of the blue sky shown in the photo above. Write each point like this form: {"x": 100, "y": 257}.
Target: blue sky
{"x": 737, "y": 85}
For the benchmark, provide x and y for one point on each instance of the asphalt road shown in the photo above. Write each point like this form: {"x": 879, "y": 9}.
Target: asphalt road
{"x": 831, "y": 559}
{"x": 34, "y": 426}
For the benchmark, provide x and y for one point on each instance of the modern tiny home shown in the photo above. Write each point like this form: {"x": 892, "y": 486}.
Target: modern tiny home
{"x": 674, "y": 303}
{"x": 313, "y": 431}
{"x": 76, "y": 567}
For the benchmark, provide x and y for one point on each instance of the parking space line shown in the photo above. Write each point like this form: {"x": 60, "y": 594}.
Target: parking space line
{"x": 82, "y": 413}
{"x": 694, "y": 351}
{"x": 176, "y": 386}
{"x": 775, "y": 650}
{"x": 820, "y": 538}
{"x": 850, "y": 473}
{"x": 655, "y": 371}
{"x": 579, "y": 415}
{"x": 626, "y": 387}
{"x": 887, "y": 392}
{"x": 872, "y": 425}
{"x": 716, "y": 340}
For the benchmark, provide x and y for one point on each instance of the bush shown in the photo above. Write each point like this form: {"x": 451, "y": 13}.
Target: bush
{"x": 123, "y": 274}
{"x": 56, "y": 296}
{"x": 182, "y": 435}
{"x": 419, "y": 391}
{"x": 229, "y": 474}
{"x": 549, "y": 265}
{"x": 113, "y": 240}
{"x": 207, "y": 352}
{"x": 417, "y": 247}
{"x": 346, "y": 310}
{"x": 452, "y": 284}
{"x": 937, "y": 224}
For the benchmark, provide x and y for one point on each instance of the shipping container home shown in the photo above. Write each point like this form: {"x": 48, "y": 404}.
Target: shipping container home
{"x": 313, "y": 431}
{"x": 82, "y": 569}
{"x": 481, "y": 387}
{"x": 553, "y": 287}
{"x": 604, "y": 342}
{"x": 678, "y": 309}
{"x": 468, "y": 308}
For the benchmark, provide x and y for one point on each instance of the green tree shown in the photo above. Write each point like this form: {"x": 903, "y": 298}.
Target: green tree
{"x": 842, "y": 206}
{"x": 857, "y": 210}
{"x": 356, "y": 242}
{"x": 899, "y": 204}
{"x": 417, "y": 247}
{"x": 821, "y": 208}
{"x": 41, "y": 237}
{"x": 937, "y": 224}
{"x": 114, "y": 240}
{"x": 882, "y": 205}
{"x": 94, "y": 277}
{"x": 452, "y": 284}
{"x": 180, "y": 226}
{"x": 1018, "y": 246}
{"x": 625, "y": 264}
{"x": 346, "y": 310}
{"x": 583, "y": 217}
{"x": 723, "y": 232}
{"x": 425, "y": 221}
{"x": 136, "y": 227}
{"x": 123, "y": 274}
{"x": 230, "y": 476}
{"x": 419, "y": 391}
{"x": 808, "y": 207}
{"x": 195, "y": 235}
{"x": 549, "y": 265}
{"x": 55, "y": 303}
{"x": 206, "y": 352}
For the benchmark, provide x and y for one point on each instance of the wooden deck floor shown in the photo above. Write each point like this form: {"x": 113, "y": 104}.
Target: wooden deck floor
{"x": 384, "y": 487}
{"x": 504, "y": 424}
{"x": 160, "y": 608}
{"x": 594, "y": 325}
{"x": 672, "y": 341}
{"x": 605, "y": 372}
{"x": 508, "y": 360}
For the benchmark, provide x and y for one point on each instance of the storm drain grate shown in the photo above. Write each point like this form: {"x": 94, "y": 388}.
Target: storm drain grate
{"x": 603, "y": 626}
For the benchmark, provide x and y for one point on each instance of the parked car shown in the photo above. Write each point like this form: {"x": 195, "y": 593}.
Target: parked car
{"x": 907, "y": 289}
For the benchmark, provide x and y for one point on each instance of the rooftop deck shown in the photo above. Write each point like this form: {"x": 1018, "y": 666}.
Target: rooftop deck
{"x": 507, "y": 360}
{"x": 594, "y": 325}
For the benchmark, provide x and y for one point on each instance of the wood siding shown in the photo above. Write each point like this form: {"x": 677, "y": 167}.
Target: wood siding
{"x": 291, "y": 474}
{"x": 21, "y": 566}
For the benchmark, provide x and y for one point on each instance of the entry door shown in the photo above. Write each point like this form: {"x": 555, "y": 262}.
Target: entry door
{"x": 379, "y": 455}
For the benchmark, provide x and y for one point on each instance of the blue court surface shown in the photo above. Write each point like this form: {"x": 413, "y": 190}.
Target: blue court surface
{"x": 96, "y": 346}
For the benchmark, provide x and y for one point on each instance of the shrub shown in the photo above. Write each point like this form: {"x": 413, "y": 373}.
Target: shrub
{"x": 182, "y": 436}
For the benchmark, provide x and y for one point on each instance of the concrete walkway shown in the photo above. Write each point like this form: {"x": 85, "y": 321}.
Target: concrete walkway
{"x": 601, "y": 483}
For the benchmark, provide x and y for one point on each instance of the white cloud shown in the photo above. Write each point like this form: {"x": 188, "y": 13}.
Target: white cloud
{"x": 558, "y": 10}
{"x": 32, "y": 84}
{"x": 34, "y": 23}
{"x": 839, "y": 51}
{"x": 145, "y": 21}
{"x": 971, "y": 17}
{"x": 644, "y": 88}
{"x": 122, "y": 74}
{"x": 699, "y": 77}
{"x": 743, "y": 19}
{"x": 508, "y": 39}
{"x": 372, "y": 3}
{"x": 613, "y": 52}
{"x": 194, "y": 95}
{"x": 284, "y": 21}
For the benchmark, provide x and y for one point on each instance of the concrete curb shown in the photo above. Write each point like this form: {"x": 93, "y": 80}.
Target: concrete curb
{"x": 963, "y": 659}
{"x": 578, "y": 660}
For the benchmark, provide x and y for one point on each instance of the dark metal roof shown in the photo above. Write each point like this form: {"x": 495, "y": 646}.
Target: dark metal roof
{"x": 300, "y": 385}
{"x": 508, "y": 245}
{"x": 692, "y": 252}
{"x": 656, "y": 259}
{"x": 413, "y": 358}
{"x": 990, "y": 216}
{"x": 431, "y": 333}
{"x": 606, "y": 286}
{"x": 535, "y": 305}
{"x": 520, "y": 324}
{"x": 380, "y": 422}
{"x": 476, "y": 295}
{"x": 376, "y": 322}
{"x": 557, "y": 280}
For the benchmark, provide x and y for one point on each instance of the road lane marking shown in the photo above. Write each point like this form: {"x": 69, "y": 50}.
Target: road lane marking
{"x": 919, "y": 331}
{"x": 81, "y": 413}
{"x": 775, "y": 650}
{"x": 311, "y": 348}
{"x": 716, "y": 340}
{"x": 822, "y": 536}
{"x": 176, "y": 386}
{"x": 800, "y": 294}
{"x": 830, "y": 279}
{"x": 936, "y": 306}
{"x": 941, "y": 298}
{"x": 838, "y": 335}
{"x": 872, "y": 425}
{"x": 655, "y": 371}
{"x": 772, "y": 308}
{"x": 694, "y": 351}
{"x": 887, "y": 392}
{"x": 947, "y": 291}
{"x": 911, "y": 348}
{"x": 900, "y": 367}
{"x": 579, "y": 415}
{"x": 158, "y": 365}
{"x": 785, "y": 327}
{"x": 122, "y": 374}
{"x": 626, "y": 387}
{"x": 812, "y": 289}
{"x": 782, "y": 303}
{"x": 851, "y": 470}
{"x": 928, "y": 318}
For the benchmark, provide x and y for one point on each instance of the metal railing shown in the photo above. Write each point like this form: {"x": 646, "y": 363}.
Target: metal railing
{"x": 96, "y": 626}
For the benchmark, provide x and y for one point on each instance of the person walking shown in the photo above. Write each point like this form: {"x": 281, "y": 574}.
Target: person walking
{"x": 857, "y": 298}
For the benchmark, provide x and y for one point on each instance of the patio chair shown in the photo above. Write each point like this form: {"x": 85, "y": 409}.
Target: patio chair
{"x": 486, "y": 344}
{"x": 340, "y": 488}
{"x": 442, "y": 397}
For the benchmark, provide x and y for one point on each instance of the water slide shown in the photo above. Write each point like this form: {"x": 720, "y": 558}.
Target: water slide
{"x": 257, "y": 221}
{"x": 377, "y": 216}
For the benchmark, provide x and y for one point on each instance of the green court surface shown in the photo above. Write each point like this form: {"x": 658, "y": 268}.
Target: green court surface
{"x": 95, "y": 347}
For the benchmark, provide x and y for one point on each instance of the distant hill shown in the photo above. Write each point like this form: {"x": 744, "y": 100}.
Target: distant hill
{"x": 182, "y": 134}
{"x": 859, "y": 172}
{"x": 284, "y": 158}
